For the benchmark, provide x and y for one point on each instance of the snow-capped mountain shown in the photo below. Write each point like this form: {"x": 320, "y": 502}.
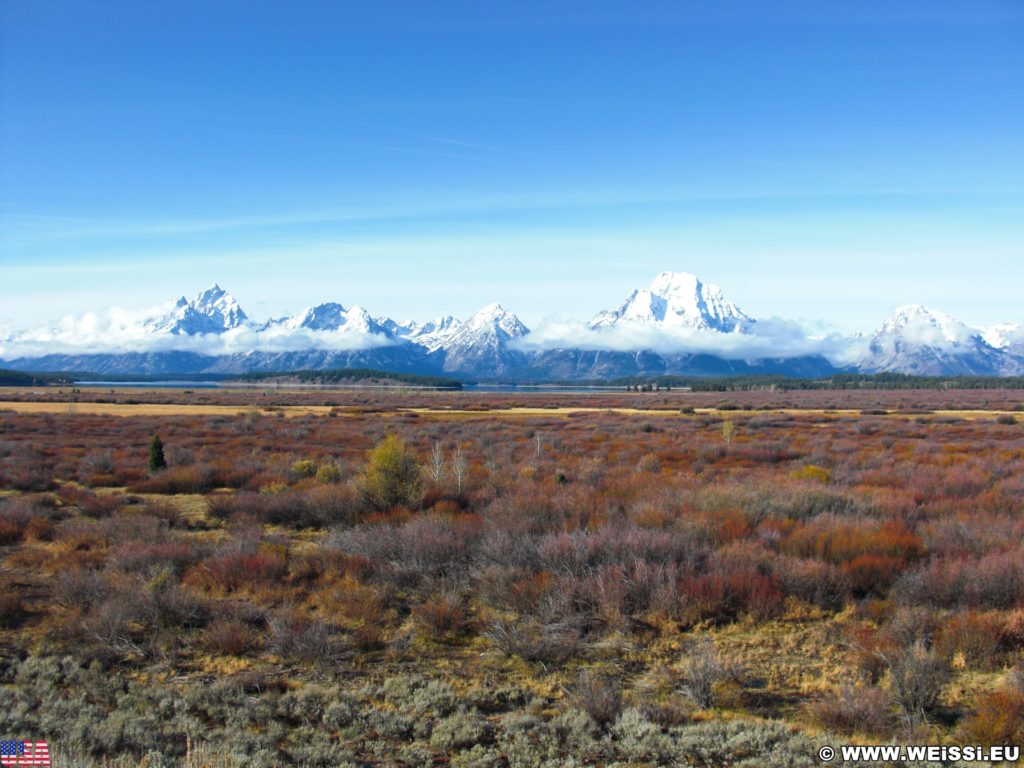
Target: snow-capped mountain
{"x": 212, "y": 311}
{"x": 677, "y": 300}
{"x": 434, "y": 333}
{"x": 482, "y": 343}
{"x": 678, "y": 325}
{"x": 926, "y": 342}
{"x": 333, "y": 318}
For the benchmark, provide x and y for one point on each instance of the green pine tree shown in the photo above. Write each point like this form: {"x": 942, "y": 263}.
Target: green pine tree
{"x": 156, "y": 455}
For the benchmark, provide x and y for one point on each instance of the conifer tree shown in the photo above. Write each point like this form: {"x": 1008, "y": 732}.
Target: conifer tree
{"x": 156, "y": 455}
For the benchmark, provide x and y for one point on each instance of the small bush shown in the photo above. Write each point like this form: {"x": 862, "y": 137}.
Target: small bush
{"x": 977, "y": 637}
{"x": 918, "y": 676}
{"x": 460, "y": 731}
{"x": 329, "y": 473}
{"x": 12, "y": 610}
{"x": 304, "y": 468}
{"x": 100, "y": 505}
{"x": 447, "y": 617}
{"x": 230, "y": 637}
{"x": 293, "y": 636}
{"x": 548, "y": 644}
{"x": 813, "y": 581}
{"x": 701, "y": 670}
{"x": 232, "y": 571}
{"x": 850, "y": 710}
{"x": 640, "y": 740}
{"x": 998, "y": 718}
{"x": 600, "y": 696}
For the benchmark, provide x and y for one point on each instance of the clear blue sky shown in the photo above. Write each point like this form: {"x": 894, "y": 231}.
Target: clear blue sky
{"x": 816, "y": 159}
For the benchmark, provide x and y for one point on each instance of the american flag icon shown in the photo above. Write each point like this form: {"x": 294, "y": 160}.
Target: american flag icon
{"x": 18, "y": 752}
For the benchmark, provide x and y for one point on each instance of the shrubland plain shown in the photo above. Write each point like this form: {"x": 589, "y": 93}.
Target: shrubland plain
{"x": 407, "y": 578}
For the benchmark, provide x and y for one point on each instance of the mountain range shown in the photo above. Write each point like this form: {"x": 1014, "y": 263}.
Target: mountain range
{"x": 677, "y": 325}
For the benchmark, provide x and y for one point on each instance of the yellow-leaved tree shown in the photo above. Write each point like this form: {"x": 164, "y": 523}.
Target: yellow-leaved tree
{"x": 392, "y": 476}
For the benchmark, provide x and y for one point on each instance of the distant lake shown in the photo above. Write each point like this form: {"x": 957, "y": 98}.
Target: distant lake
{"x": 517, "y": 388}
{"x": 152, "y": 384}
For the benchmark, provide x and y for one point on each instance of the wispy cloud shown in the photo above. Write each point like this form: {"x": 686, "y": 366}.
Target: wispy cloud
{"x": 25, "y": 227}
{"x": 472, "y": 145}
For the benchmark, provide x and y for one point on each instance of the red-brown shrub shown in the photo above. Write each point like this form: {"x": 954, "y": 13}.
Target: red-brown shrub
{"x": 871, "y": 574}
{"x": 295, "y": 636}
{"x": 175, "y": 480}
{"x": 839, "y": 540}
{"x": 997, "y": 719}
{"x": 720, "y": 597}
{"x": 232, "y": 571}
{"x": 813, "y": 581}
{"x": 230, "y": 637}
{"x": 995, "y": 580}
{"x": 142, "y": 557}
{"x": 11, "y": 532}
{"x": 100, "y": 505}
{"x": 978, "y": 636}
{"x": 447, "y": 617}
{"x": 852, "y": 710}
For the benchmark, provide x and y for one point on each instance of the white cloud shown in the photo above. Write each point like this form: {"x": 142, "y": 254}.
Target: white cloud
{"x": 769, "y": 338}
{"x": 1006, "y": 336}
{"x": 119, "y": 330}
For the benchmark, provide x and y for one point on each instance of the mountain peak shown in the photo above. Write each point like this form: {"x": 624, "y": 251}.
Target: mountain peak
{"x": 332, "y": 317}
{"x": 432, "y": 334}
{"x": 320, "y": 317}
{"x": 497, "y": 317}
{"x": 920, "y": 340}
{"x": 482, "y": 342}
{"x": 672, "y": 283}
{"x": 211, "y": 311}
{"x": 923, "y": 324}
{"x": 492, "y": 310}
{"x": 677, "y": 300}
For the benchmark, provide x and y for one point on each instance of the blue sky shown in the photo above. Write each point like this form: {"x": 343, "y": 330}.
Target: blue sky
{"x": 818, "y": 160}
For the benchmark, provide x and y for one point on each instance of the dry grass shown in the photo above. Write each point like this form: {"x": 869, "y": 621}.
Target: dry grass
{"x": 442, "y": 412}
{"x": 153, "y": 409}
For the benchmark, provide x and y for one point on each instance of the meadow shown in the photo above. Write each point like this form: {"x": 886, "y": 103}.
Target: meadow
{"x": 411, "y": 578}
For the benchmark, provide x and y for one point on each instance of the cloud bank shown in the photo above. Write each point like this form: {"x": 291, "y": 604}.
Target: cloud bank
{"x": 772, "y": 338}
{"x": 122, "y": 331}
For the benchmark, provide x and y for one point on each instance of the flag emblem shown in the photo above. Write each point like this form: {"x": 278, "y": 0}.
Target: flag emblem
{"x": 16, "y": 752}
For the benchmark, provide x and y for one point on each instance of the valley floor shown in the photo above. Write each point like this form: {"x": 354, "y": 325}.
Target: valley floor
{"x": 407, "y": 578}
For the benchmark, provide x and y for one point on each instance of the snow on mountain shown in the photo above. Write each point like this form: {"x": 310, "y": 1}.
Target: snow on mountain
{"x": 926, "y": 342}
{"x": 399, "y": 328}
{"x": 433, "y": 334}
{"x": 332, "y": 317}
{"x": 678, "y": 324}
{"x": 677, "y": 300}
{"x": 497, "y": 320}
{"x": 482, "y": 343}
{"x": 212, "y": 311}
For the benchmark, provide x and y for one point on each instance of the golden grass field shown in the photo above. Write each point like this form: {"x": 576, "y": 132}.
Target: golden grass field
{"x": 291, "y": 411}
